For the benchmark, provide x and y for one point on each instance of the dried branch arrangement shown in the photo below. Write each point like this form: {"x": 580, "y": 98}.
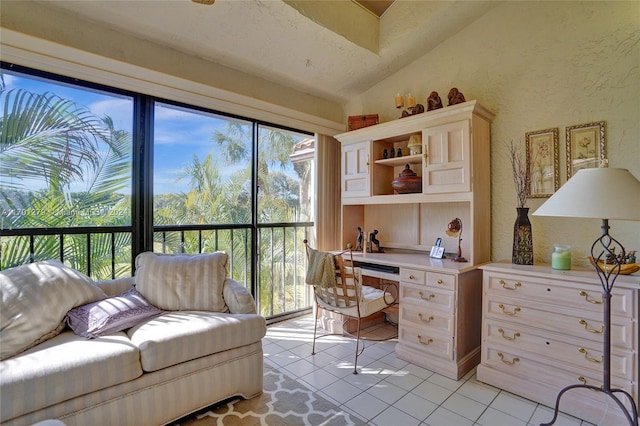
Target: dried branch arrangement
{"x": 520, "y": 173}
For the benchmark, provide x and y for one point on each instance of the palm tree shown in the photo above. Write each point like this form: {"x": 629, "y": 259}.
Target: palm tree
{"x": 45, "y": 136}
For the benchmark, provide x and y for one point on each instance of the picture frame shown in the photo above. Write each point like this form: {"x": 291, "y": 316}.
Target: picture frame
{"x": 542, "y": 162}
{"x": 586, "y": 144}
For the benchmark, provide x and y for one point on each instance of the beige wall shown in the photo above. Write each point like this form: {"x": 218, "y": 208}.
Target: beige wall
{"x": 538, "y": 65}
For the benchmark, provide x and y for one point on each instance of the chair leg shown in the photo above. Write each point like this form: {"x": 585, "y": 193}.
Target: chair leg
{"x": 355, "y": 364}
{"x": 315, "y": 328}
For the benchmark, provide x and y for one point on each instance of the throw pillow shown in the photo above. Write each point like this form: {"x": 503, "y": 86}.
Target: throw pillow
{"x": 110, "y": 315}
{"x": 35, "y": 299}
{"x": 183, "y": 282}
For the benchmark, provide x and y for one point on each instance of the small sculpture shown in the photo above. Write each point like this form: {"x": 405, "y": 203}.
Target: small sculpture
{"x": 455, "y": 97}
{"x": 359, "y": 239}
{"x": 374, "y": 241}
{"x": 418, "y": 109}
{"x": 434, "y": 101}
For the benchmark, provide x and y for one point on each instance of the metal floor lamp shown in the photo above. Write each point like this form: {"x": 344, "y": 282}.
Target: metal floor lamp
{"x": 602, "y": 193}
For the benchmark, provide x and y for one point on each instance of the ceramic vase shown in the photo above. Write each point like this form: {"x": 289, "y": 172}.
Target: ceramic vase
{"x": 522, "y": 239}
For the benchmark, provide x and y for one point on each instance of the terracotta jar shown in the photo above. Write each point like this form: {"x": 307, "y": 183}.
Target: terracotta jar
{"x": 407, "y": 182}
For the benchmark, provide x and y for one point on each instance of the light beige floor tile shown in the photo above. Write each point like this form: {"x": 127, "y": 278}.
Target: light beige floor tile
{"x": 444, "y": 417}
{"x": 395, "y": 417}
{"x": 493, "y": 417}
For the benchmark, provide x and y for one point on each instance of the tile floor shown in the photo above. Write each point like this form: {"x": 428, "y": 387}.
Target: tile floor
{"x": 392, "y": 392}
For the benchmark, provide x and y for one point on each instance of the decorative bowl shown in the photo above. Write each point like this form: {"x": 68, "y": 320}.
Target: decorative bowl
{"x": 625, "y": 268}
{"x": 407, "y": 182}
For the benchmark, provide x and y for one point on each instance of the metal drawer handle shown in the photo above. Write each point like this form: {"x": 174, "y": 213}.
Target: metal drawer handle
{"x": 411, "y": 277}
{"x": 504, "y": 310}
{"x": 439, "y": 282}
{"x": 428, "y": 320}
{"x": 586, "y": 297}
{"x": 515, "y": 286}
{"x": 428, "y": 342}
{"x": 429, "y": 297}
{"x": 501, "y": 331}
{"x": 516, "y": 359}
{"x": 586, "y": 355}
{"x": 591, "y": 330}
{"x": 584, "y": 382}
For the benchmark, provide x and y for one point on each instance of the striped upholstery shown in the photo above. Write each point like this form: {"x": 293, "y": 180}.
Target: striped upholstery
{"x": 35, "y": 299}
{"x": 207, "y": 357}
{"x": 183, "y": 282}
{"x": 64, "y": 367}
{"x": 162, "y": 396}
{"x": 180, "y": 336}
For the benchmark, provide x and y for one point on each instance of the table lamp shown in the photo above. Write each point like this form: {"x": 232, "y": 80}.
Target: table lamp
{"x": 601, "y": 193}
{"x": 454, "y": 229}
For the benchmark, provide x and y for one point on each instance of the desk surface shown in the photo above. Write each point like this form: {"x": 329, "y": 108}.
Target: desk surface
{"x": 414, "y": 260}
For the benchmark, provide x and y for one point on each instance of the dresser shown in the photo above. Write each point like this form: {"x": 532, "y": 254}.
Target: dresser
{"x": 542, "y": 330}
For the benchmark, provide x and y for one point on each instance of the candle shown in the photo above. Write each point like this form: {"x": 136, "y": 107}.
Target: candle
{"x": 399, "y": 101}
{"x": 411, "y": 101}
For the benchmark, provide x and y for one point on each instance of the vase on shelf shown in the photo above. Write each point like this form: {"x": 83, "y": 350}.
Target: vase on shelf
{"x": 522, "y": 239}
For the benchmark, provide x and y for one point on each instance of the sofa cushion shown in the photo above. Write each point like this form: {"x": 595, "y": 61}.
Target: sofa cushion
{"x": 110, "y": 315}
{"x": 35, "y": 299}
{"x": 183, "y": 282}
{"x": 64, "y": 367}
{"x": 176, "y": 337}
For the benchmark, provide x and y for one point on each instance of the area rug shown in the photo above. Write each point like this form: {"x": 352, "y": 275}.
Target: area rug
{"x": 284, "y": 402}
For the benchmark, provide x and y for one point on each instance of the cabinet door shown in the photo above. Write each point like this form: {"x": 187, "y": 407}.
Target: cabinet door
{"x": 356, "y": 179}
{"x": 446, "y": 165}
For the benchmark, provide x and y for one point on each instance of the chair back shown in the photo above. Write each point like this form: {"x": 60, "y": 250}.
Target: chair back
{"x": 343, "y": 289}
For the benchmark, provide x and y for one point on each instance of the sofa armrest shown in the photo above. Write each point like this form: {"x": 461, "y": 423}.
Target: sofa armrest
{"x": 117, "y": 286}
{"x": 237, "y": 298}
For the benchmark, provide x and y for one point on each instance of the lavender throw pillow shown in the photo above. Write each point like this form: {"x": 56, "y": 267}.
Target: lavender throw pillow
{"x": 110, "y": 315}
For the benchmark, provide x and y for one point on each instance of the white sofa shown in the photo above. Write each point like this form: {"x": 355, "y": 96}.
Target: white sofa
{"x": 161, "y": 369}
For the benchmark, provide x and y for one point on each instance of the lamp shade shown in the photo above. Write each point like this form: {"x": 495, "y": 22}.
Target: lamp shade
{"x": 601, "y": 193}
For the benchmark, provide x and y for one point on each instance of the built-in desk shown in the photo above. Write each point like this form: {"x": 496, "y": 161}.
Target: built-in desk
{"x": 439, "y": 312}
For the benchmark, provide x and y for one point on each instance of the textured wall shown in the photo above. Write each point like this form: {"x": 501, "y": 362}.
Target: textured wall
{"x": 538, "y": 65}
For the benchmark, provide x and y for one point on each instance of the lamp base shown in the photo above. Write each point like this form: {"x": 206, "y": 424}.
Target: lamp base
{"x": 459, "y": 259}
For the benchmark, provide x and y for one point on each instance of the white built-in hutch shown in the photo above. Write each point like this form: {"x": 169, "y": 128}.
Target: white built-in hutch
{"x": 440, "y": 307}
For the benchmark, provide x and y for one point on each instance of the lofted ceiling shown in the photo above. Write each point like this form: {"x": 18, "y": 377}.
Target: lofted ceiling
{"x": 334, "y": 49}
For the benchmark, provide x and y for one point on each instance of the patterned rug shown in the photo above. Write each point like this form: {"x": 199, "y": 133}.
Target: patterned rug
{"x": 284, "y": 402}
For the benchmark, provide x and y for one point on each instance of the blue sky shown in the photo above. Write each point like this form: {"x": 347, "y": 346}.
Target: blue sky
{"x": 179, "y": 135}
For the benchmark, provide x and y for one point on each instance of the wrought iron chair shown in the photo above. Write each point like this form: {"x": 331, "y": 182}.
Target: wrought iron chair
{"x": 337, "y": 287}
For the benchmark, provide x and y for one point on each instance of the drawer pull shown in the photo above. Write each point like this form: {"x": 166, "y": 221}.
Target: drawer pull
{"x": 412, "y": 277}
{"x": 591, "y": 330}
{"x": 501, "y": 331}
{"x": 427, "y": 298}
{"x": 428, "y": 320}
{"x": 428, "y": 342}
{"x": 586, "y": 355}
{"x": 584, "y": 382}
{"x": 586, "y": 297}
{"x": 439, "y": 282}
{"x": 516, "y": 359}
{"x": 504, "y": 310}
{"x": 515, "y": 286}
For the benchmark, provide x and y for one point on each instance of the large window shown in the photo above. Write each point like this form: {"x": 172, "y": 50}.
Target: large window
{"x": 93, "y": 176}
{"x": 65, "y": 162}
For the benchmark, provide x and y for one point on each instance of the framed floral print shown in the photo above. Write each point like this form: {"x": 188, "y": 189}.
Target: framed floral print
{"x": 585, "y": 147}
{"x": 542, "y": 163}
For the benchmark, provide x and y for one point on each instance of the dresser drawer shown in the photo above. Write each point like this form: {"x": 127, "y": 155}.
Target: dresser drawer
{"x": 426, "y": 319}
{"x": 584, "y": 355}
{"x": 581, "y": 325}
{"x": 533, "y": 368}
{"x": 437, "y": 280}
{"x": 414, "y": 276}
{"x": 426, "y": 341}
{"x": 573, "y": 295}
{"x": 427, "y": 297}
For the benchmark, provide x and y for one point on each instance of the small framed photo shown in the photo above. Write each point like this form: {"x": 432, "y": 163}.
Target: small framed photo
{"x": 542, "y": 163}
{"x": 585, "y": 147}
{"x": 437, "y": 252}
